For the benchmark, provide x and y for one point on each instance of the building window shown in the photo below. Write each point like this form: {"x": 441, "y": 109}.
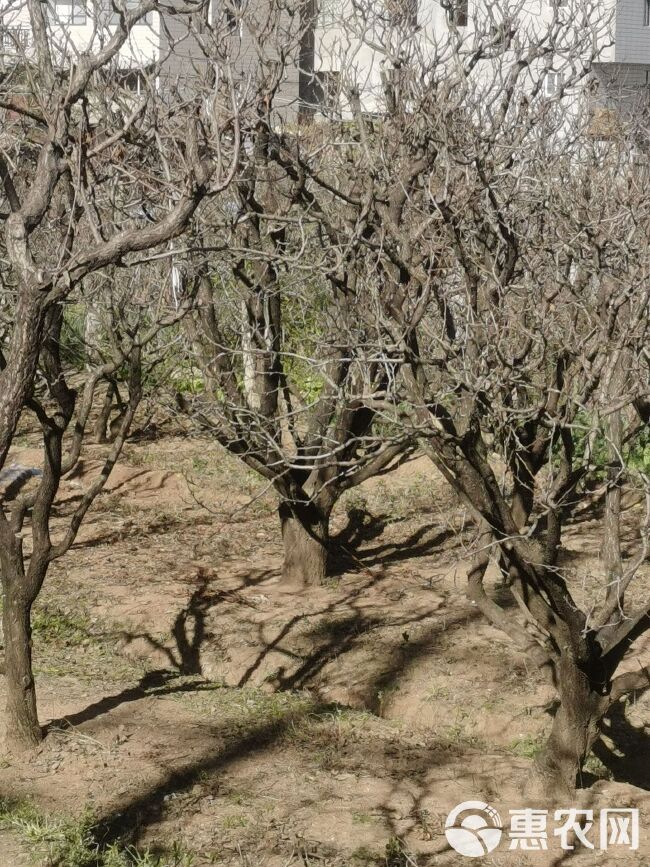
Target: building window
{"x": 114, "y": 13}
{"x": 646, "y": 13}
{"x": 330, "y": 12}
{"x": 553, "y": 83}
{"x": 70, "y": 11}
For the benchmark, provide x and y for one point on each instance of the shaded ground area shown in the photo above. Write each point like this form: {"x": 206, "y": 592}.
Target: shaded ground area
{"x": 199, "y": 709}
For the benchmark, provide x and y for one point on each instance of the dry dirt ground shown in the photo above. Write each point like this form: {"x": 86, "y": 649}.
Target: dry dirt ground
{"x": 203, "y": 713}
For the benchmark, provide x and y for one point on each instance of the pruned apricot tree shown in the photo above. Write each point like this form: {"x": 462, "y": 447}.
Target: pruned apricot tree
{"x": 98, "y": 165}
{"x": 290, "y": 367}
{"x": 505, "y": 245}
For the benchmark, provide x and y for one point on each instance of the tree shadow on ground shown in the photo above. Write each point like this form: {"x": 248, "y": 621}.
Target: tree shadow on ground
{"x": 333, "y": 630}
{"x": 128, "y": 822}
{"x": 149, "y": 807}
{"x": 189, "y": 628}
{"x": 415, "y": 545}
{"x": 404, "y": 655}
{"x": 131, "y": 822}
{"x": 347, "y": 553}
{"x": 340, "y": 638}
{"x": 159, "y": 682}
{"x": 334, "y": 638}
{"x": 594, "y": 509}
{"x": 337, "y": 629}
{"x": 189, "y": 633}
{"x": 361, "y": 528}
{"x": 567, "y": 855}
{"x": 628, "y": 760}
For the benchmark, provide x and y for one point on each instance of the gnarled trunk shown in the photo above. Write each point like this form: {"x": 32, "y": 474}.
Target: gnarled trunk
{"x": 305, "y": 536}
{"x": 575, "y": 729}
{"x": 101, "y": 424}
{"x": 23, "y": 730}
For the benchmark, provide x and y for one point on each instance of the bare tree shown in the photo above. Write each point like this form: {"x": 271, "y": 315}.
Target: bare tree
{"x": 287, "y": 364}
{"x": 291, "y": 368}
{"x": 506, "y": 248}
{"x": 98, "y": 164}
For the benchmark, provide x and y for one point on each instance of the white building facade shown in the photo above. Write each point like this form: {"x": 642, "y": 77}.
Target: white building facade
{"x": 349, "y": 48}
{"x": 77, "y": 26}
{"x": 357, "y": 44}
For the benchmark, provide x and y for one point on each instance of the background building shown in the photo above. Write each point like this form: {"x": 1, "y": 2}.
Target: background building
{"x": 337, "y": 56}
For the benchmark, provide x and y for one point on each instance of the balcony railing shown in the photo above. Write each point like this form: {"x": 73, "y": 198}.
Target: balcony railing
{"x": 14, "y": 39}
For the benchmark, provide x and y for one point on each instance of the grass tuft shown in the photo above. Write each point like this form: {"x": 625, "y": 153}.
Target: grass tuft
{"x": 51, "y": 624}
{"x": 64, "y": 841}
{"x": 528, "y": 747}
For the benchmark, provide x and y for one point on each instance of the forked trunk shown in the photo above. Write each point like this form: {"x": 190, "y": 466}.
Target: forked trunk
{"x": 305, "y": 536}
{"x": 575, "y": 729}
{"x": 23, "y": 730}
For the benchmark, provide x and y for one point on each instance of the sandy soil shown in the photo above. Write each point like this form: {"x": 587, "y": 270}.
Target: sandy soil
{"x": 192, "y": 699}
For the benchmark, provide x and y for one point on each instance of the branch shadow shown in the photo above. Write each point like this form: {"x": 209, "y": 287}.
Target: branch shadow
{"x": 159, "y": 682}
{"x": 337, "y": 628}
{"x": 362, "y": 527}
{"x": 406, "y": 654}
{"x": 334, "y": 644}
{"x": 189, "y": 633}
{"x": 567, "y": 855}
{"x": 415, "y": 545}
{"x": 347, "y": 553}
{"x": 189, "y": 628}
{"x": 127, "y": 823}
{"x": 628, "y": 760}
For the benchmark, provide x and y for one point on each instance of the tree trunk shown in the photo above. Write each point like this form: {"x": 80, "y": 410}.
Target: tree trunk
{"x": 23, "y": 730}
{"x": 305, "y": 535}
{"x": 610, "y": 552}
{"x": 575, "y": 729}
{"x": 105, "y": 413}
